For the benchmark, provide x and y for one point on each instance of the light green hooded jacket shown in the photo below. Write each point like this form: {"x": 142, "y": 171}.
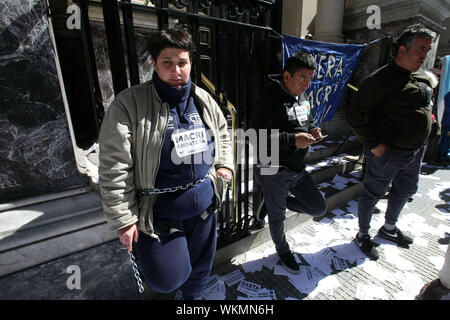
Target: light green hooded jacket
{"x": 130, "y": 144}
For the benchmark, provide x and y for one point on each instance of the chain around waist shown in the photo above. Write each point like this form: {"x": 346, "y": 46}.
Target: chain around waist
{"x": 147, "y": 192}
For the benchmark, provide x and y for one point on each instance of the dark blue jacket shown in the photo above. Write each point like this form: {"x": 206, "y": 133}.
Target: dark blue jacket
{"x": 175, "y": 171}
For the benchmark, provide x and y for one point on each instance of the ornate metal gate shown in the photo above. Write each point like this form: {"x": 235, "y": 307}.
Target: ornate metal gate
{"x": 235, "y": 50}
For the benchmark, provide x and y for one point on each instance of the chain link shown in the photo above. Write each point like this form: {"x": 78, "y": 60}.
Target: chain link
{"x": 147, "y": 192}
{"x": 136, "y": 272}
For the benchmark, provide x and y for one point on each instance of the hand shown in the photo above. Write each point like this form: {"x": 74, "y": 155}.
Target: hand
{"x": 304, "y": 140}
{"x": 126, "y": 236}
{"x": 316, "y": 132}
{"x": 379, "y": 150}
{"x": 225, "y": 173}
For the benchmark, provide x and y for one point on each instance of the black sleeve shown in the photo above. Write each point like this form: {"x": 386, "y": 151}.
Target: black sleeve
{"x": 264, "y": 117}
{"x": 368, "y": 97}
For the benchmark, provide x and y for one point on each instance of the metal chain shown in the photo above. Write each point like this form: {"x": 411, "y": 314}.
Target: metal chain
{"x": 136, "y": 272}
{"x": 146, "y": 192}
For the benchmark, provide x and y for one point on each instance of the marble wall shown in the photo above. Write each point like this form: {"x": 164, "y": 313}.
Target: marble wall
{"x": 143, "y": 36}
{"x": 36, "y": 154}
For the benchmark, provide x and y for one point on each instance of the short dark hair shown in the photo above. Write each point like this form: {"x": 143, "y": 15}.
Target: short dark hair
{"x": 176, "y": 37}
{"x": 407, "y": 37}
{"x": 299, "y": 60}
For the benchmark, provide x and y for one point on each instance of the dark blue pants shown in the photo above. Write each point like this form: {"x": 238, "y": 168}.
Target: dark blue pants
{"x": 184, "y": 261}
{"x": 307, "y": 199}
{"x": 401, "y": 168}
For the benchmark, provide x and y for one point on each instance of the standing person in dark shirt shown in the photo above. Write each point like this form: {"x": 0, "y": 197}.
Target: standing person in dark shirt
{"x": 165, "y": 154}
{"x": 283, "y": 107}
{"x": 391, "y": 116}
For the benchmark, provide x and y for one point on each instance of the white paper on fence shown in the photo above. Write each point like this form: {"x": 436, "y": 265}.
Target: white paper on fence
{"x": 233, "y": 277}
{"x": 370, "y": 292}
{"x": 249, "y": 288}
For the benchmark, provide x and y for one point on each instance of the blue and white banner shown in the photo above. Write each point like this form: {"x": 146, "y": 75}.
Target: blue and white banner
{"x": 443, "y": 110}
{"x": 335, "y": 64}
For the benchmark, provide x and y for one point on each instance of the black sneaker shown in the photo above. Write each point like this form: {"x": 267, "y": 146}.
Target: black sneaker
{"x": 366, "y": 246}
{"x": 261, "y": 213}
{"x": 395, "y": 235}
{"x": 289, "y": 263}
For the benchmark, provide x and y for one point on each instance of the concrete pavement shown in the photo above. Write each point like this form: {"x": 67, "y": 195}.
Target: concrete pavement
{"x": 332, "y": 266}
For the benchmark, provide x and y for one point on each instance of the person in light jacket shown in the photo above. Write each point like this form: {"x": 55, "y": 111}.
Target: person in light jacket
{"x": 165, "y": 159}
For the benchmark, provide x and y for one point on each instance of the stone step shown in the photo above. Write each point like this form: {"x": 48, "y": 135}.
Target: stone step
{"x": 39, "y": 214}
{"x": 21, "y": 258}
{"x": 34, "y": 234}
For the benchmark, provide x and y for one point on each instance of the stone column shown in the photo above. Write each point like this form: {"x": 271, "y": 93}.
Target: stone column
{"x": 330, "y": 14}
{"x": 298, "y": 16}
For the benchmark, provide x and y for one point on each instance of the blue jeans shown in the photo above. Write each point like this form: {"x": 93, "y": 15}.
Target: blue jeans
{"x": 307, "y": 199}
{"x": 183, "y": 261}
{"x": 401, "y": 168}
